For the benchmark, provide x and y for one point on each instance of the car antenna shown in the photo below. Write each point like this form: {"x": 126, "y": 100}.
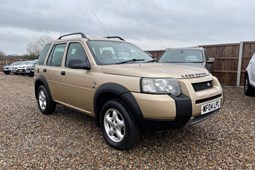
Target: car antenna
{"x": 99, "y": 22}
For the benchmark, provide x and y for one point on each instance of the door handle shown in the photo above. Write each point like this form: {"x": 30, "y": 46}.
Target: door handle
{"x": 63, "y": 73}
{"x": 44, "y": 70}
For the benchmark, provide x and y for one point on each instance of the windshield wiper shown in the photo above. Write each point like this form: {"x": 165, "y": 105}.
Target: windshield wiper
{"x": 130, "y": 61}
{"x": 182, "y": 62}
{"x": 151, "y": 61}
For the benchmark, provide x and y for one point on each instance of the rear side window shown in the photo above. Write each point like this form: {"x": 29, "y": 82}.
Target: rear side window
{"x": 75, "y": 52}
{"x": 56, "y": 55}
{"x": 43, "y": 54}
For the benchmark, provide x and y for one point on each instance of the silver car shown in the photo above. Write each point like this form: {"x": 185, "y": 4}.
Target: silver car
{"x": 22, "y": 67}
{"x": 187, "y": 56}
{"x": 29, "y": 67}
{"x": 11, "y": 68}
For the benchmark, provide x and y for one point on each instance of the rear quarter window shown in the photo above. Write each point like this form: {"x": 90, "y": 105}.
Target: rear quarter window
{"x": 43, "y": 54}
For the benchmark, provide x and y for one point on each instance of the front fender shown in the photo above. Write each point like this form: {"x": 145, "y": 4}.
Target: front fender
{"x": 122, "y": 93}
{"x": 41, "y": 80}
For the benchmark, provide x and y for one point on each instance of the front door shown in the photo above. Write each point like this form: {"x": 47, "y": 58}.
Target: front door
{"x": 76, "y": 84}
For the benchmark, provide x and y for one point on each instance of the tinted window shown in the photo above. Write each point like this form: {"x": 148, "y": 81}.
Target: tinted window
{"x": 56, "y": 55}
{"x": 75, "y": 52}
{"x": 43, "y": 54}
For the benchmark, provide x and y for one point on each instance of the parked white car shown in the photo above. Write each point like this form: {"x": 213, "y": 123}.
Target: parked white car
{"x": 10, "y": 68}
{"x": 29, "y": 67}
{"x": 249, "y": 82}
{"x": 22, "y": 67}
{"x": 14, "y": 68}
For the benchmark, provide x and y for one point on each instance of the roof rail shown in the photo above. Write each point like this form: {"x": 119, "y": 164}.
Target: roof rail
{"x": 120, "y": 38}
{"x": 76, "y": 33}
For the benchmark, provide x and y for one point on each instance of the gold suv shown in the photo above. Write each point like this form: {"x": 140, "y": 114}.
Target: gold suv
{"x": 122, "y": 87}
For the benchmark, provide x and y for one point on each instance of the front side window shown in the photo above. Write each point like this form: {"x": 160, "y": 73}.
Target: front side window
{"x": 75, "y": 53}
{"x": 115, "y": 52}
{"x": 56, "y": 55}
{"x": 182, "y": 56}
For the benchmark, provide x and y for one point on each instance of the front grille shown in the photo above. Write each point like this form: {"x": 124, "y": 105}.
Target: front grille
{"x": 208, "y": 99}
{"x": 202, "y": 86}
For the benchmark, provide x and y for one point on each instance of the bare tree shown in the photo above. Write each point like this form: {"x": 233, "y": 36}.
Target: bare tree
{"x": 34, "y": 48}
{"x": 43, "y": 40}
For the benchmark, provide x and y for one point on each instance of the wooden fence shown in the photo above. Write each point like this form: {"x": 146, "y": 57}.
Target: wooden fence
{"x": 4, "y": 62}
{"x": 231, "y": 60}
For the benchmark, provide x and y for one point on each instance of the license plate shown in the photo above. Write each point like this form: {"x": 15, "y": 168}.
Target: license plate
{"x": 209, "y": 107}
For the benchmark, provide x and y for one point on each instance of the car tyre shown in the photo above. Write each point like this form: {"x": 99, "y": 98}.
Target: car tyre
{"x": 44, "y": 101}
{"x": 118, "y": 127}
{"x": 6, "y": 72}
{"x": 248, "y": 91}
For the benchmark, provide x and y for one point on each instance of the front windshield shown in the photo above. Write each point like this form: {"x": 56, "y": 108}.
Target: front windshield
{"x": 115, "y": 52}
{"x": 15, "y": 63}
{"x": 182, "y": 56}
{"x": 32, "y": 62}
{"x": 24, "y": 62}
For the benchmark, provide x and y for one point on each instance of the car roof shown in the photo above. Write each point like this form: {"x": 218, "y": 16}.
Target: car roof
{"x": 187, "y": 48}
{"x": 83, "y": 37}
{"x": 86, "y": 39}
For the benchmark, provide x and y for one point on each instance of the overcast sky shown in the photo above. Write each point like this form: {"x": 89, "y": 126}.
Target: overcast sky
{"x": 150, "y": 24}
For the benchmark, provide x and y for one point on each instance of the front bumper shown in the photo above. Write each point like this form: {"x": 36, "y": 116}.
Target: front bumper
{"x": 200, "y": 118}
{"x": 6, "y": 70}
{"x": 28, "y": 70}
{"x": 21, "y": 71}
{"x": 177, "y": 113}
{"x": 162, "y": 112}
{"x": 14, "y": 70}
{"x": 174, "y": 112}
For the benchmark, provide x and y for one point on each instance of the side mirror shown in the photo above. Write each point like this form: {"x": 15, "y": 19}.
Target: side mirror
{"x": 79, "y": 64}
{"x": 210, "y": 60}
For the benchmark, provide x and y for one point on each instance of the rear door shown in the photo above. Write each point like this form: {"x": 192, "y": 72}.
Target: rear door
{"x": 76, "y": 84}
{"x": 52, "y": 70}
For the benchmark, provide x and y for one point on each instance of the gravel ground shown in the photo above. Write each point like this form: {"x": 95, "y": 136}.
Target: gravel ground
{"x": 71, "y": 140}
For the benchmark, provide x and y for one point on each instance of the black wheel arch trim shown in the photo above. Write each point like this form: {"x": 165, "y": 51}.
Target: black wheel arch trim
{"x": 123, "y": 93}
{"x": 41, "y": 80}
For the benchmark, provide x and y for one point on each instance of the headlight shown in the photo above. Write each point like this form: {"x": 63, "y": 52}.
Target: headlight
{"x": 161, "y": 86}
